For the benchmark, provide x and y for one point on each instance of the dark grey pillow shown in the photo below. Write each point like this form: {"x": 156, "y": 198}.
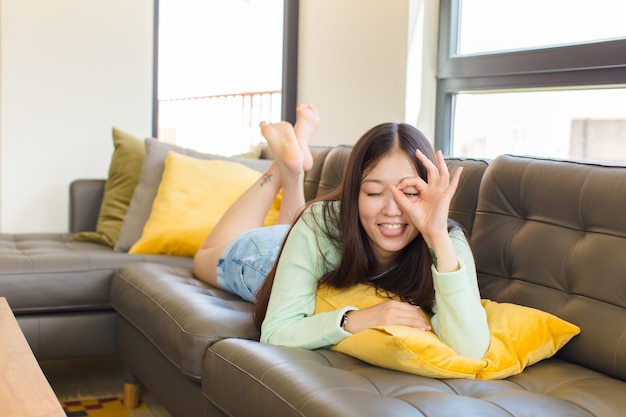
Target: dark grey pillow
{"x": 149, "y": 180}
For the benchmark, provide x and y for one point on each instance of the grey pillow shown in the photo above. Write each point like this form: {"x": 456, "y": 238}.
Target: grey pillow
{"x": 149, "y": 180}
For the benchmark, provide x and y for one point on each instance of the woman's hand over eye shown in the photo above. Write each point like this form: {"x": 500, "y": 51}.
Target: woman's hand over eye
{"x": 428, "y": 210}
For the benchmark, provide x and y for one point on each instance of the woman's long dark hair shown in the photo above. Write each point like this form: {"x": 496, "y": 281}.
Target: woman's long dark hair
{"x": 411, "y": 278}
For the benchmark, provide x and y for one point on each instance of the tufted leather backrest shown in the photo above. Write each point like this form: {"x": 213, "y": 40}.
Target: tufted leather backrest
{"x": 334, "y": 167}
{"x": 463, "y": 204}
{"x": 551, "y": 234}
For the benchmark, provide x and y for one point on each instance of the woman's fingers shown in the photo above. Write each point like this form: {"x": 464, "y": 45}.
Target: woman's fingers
{"x": 456, "y": 178}
{"x": 413, "y": 181}
{"x": 390, "y": 313}
{"x": 439, "y": 175}
{"x": 441, "y": 162}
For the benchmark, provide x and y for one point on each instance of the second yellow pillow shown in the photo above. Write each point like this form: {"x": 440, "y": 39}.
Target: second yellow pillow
{"x": 192, "y": 197}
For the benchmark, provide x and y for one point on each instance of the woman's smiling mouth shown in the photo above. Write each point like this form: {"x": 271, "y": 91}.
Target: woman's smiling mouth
{"x": 391, "y": 229}
{"x": 391, "y": 226}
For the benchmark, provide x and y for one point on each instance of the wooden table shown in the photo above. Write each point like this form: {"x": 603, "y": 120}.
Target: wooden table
{"x": 24, "y": 389}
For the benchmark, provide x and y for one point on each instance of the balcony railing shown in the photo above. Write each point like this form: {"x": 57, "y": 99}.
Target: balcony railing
{"x": 225, "y": 124}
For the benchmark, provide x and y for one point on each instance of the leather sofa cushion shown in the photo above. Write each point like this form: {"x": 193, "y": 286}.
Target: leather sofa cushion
{"x": 551, "y": 234}
{"x": 297, "y": 382}
{"x": 45, "y": 273}
{"x": 180, "y": 314}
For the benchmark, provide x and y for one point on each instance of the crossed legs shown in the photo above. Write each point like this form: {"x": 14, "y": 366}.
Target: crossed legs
{"x": 292, "y": 158}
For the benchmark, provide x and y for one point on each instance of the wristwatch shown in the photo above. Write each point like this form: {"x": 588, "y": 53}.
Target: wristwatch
{"x": 344, "y": 320}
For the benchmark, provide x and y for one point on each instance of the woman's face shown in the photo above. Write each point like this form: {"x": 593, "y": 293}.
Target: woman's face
{"x": 387, "y": 226}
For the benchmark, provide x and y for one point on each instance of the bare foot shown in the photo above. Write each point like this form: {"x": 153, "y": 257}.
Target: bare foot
{"x": 282, "y": 140}
{"x": 307, "y": 123}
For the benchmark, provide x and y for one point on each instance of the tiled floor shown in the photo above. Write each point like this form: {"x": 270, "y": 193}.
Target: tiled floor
{"x": 93, "y": 377}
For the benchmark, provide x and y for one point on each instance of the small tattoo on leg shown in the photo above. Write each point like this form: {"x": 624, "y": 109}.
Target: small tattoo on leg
{"x": 267, "y": 178}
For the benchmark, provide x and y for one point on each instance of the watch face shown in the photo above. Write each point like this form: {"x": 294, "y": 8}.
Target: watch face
{"x": 344, "y": 318}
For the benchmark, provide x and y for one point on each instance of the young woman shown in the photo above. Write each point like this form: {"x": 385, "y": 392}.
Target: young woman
{"x": 387, "y": 224}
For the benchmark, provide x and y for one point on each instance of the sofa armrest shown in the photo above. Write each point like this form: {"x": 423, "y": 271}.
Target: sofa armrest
{"x": 85, "y": 201}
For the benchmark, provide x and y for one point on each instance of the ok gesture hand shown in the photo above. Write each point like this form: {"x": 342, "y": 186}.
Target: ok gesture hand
{"x": 427, "y": 203}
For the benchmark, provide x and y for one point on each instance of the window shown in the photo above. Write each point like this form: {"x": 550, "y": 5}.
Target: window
{"x": 220, "y": 71}
{"x": 580, "y": 124}
{"x": 549, "y": 82}
{"x": 496, "y": 25}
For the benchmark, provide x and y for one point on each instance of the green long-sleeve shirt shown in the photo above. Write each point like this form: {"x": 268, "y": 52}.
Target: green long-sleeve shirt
{"x": 459, "y": 318}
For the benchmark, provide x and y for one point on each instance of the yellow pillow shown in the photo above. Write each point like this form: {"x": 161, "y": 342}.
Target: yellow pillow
{"x": 520, "y": 337}
{"x": 192, "y": 196}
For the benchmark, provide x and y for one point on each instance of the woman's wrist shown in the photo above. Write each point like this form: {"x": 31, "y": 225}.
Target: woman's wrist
{"x": 443, "y": 254}
{"x": 344, "y": 320}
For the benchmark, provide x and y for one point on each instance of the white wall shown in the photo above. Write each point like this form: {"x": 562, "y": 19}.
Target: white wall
{"x": 363, "y": 62}
{"x": 70, "y": 70}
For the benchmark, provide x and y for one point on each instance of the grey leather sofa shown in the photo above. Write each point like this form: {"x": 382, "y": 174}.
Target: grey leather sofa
{"x": 58, "y": 288}
{"x": 547, "y": 234}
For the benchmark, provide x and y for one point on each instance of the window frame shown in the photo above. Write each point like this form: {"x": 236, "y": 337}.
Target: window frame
{"x": 585, "y": 65}
{"x": 289, "y": 87}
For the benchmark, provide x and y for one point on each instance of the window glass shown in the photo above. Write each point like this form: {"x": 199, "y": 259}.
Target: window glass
{"x": 576, "y": 124}
{"x": 219, "y": 72}
{"x": 497, "y": 25}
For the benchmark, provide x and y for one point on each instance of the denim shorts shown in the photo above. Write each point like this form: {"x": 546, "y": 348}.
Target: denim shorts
{"x": 248, "y": 259}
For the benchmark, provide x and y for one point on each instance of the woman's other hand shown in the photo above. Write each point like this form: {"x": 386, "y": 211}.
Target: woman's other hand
{"x": 388, "y": 313}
